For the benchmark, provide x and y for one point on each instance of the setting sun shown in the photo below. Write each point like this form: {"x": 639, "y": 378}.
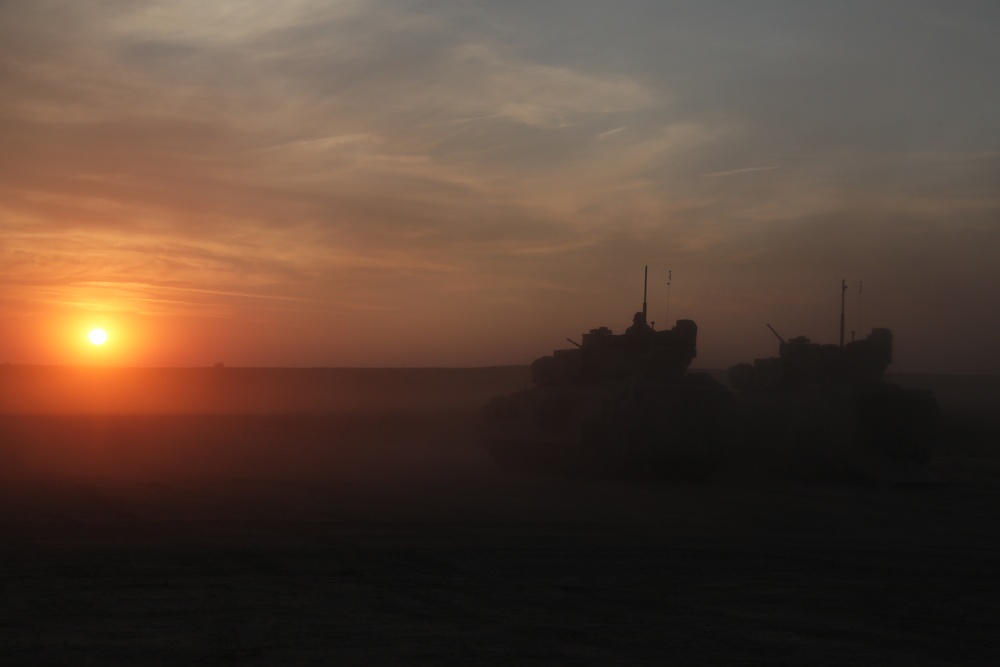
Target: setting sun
{"x": 98, "y": 336}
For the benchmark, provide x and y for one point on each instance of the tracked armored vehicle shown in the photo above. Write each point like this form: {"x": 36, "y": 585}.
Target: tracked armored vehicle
{"x": 613, "y": 405}
{"x": 828, "y": 408}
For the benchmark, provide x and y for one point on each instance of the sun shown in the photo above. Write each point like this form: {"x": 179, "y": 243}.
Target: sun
{"x": 98, "y": 336}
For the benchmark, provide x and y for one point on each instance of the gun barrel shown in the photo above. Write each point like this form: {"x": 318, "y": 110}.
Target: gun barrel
{"x": 776, "y": 333}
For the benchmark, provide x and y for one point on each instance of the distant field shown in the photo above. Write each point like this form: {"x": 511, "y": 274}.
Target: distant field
{"x": 235, "y": 391}
{"x": 304, "y": 406}
{"x": 309, "y": 516}
{"x": 83, "y": 390}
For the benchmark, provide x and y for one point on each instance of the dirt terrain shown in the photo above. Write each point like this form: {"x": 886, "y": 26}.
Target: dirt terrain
{"x": 359, "y": 531}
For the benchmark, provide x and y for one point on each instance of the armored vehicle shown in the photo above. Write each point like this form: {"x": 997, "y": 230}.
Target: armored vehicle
{"x": 828, "y": 406}
{"x": 613, "y": 405}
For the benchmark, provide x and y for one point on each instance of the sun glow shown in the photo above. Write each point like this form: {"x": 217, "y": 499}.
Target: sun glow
{"x": 98, "y": 336}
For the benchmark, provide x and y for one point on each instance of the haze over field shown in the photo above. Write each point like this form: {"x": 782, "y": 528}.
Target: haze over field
{"x": 467, "y": 183}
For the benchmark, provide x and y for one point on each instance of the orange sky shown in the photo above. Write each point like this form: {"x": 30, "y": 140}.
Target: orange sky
{"x": 468, "y": 183}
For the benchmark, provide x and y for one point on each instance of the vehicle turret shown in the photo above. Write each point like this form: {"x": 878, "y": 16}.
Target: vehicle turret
{"x": 829, "y": 397}
{"x": 612, "y": 404}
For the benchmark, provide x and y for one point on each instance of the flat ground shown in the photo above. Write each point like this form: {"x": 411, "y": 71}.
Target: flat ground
{"x": 388, "y": 537}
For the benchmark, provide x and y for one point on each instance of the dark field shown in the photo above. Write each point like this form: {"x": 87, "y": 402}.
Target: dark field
{"x": 351, "y": 517}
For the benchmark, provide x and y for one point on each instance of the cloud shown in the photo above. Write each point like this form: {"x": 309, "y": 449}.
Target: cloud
{"x": 610, "y": 133}
{"x": 404, "y": 156}
{"x": 733, "y": 172}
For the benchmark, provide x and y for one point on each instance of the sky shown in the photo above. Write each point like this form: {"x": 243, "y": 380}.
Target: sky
{"x": 445, "y": 183}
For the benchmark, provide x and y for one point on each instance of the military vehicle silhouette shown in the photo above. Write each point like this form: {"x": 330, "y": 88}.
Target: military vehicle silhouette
{"x": 613, "y": 405}
{"x": 831, "y": 405}
{"x": 626, "y": 405}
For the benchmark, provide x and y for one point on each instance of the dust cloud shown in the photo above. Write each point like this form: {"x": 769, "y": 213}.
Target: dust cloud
{"x": 259, "y": 516}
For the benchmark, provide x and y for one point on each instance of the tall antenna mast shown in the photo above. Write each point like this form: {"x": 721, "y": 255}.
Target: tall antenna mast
{"x": 645, "y": 276}
{"x": 843, "y": 292}
{"x": 670, "y": 275}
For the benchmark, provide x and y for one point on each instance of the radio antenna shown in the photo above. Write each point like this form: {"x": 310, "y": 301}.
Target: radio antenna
{"x": 666, "y": 316}
{"x": 645, "y": 276}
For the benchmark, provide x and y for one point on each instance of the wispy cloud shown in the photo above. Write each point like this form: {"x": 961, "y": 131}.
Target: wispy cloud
{"x": 734, "y": 172}
{"x": 329, "y": 154}
{"x": 609, "y": 133}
